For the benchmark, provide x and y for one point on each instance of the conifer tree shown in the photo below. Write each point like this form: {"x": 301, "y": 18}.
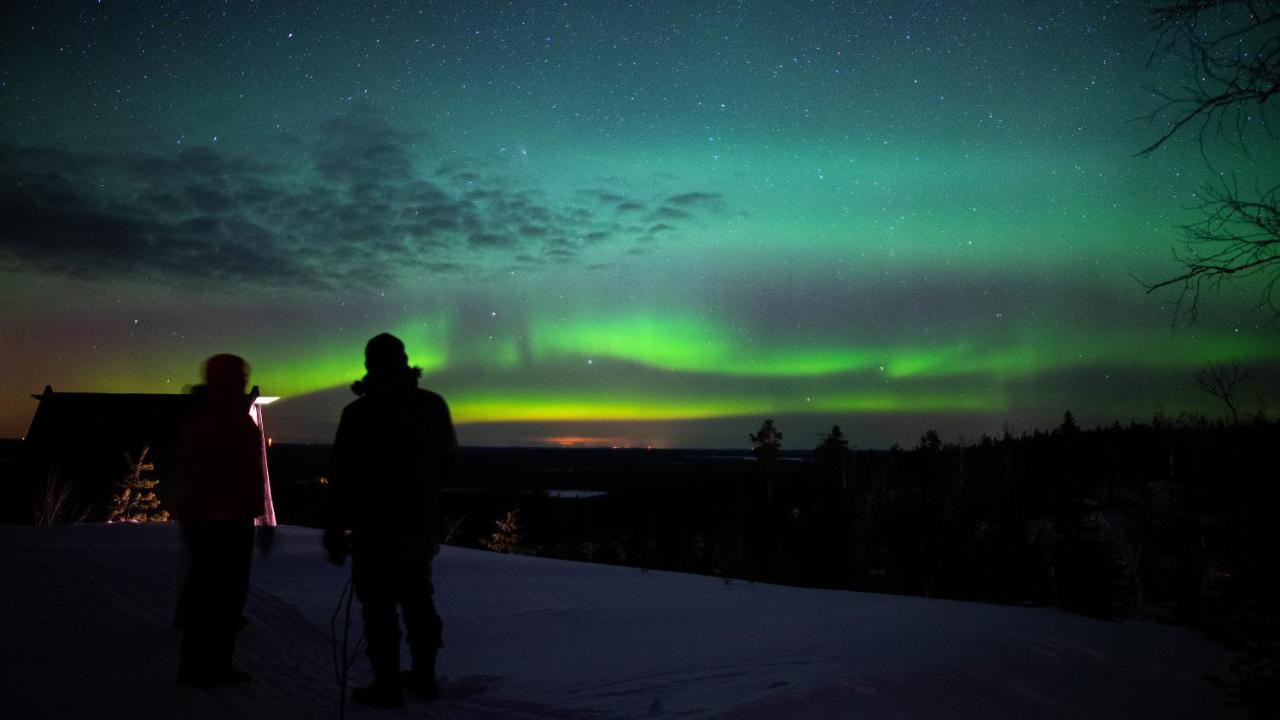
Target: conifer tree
{"x": 1068, "y": 427}
{"x": 835, "y": 445}
{"x": 930, "y": 441}
{"x": 834, "y": 453}
{"x": 766, "y": 443}
{"x": 137, "y": 500}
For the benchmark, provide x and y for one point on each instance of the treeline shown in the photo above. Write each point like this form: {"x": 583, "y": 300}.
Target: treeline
{"x": 1168, "y": 520}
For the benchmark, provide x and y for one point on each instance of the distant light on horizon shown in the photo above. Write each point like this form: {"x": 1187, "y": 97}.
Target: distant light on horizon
{"x": 579, "y": 441}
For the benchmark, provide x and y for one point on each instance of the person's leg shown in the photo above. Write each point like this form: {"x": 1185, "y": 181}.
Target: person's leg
{"x": 207, "y": 636}
{"x": 213, "y": 598}
{"x": 425, "y": 629}
{"x": 374, "y": 584}
{"x": 234, "y": 550}
{"x": 193, "y": 612}
{"x": 240, "y": 542}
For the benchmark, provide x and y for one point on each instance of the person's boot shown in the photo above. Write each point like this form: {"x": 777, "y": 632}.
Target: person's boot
{"x": 380, "y": 693}
{"x": 422, "y": 678}
{"x": 386, "y": 690}
{"x": 206, "y": 662}
{"x": 205, "y": 676}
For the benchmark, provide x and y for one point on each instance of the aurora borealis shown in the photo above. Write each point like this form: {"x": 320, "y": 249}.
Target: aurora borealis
{"x": 619, "y": 223}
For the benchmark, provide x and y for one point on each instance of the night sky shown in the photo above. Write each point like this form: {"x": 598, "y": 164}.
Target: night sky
{"x": 612, "y": 224}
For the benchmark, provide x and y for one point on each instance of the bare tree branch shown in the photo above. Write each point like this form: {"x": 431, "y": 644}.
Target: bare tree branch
{"x": 1221, "y": 381}
{"x": 1232, "y": 52}
{"x": 1234, "y": 238}
{"x": 1233, "y": 47}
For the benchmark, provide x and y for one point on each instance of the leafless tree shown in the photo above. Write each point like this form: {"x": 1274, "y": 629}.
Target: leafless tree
{"x": 53, "y": 504}
{"x": 1237, "y": 237}
{"x": 1221, "y": 381}
{"x": 1231, "y": 49}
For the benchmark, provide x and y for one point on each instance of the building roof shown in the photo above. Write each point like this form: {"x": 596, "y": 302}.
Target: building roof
{"x": 84, "y": 440}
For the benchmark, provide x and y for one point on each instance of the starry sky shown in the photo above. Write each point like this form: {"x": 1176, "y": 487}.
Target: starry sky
{"x": 609, "y": 223}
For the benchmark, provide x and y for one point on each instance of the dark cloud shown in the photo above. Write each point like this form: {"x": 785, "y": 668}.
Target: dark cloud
{"x": 362, "y": 145}
{"x": 491, "y": 240}
{"x": 443, "y": 267}
{"x": 355, "y": 211}
{"x": 702, "y": 200}
{"x": 604, "y": 197}
{"x": 50, "y": 225}
{"x": 670, "y": 213}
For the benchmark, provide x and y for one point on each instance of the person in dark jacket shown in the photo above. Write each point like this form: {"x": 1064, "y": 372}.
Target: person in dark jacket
{"x": 394, "y": 447}
{"x": 221, "y": 494}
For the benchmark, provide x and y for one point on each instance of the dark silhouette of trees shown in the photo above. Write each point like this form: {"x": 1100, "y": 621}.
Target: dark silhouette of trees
{"x": 1231, "y": 52}
{"x": 1221, "y": 380}
{"x": 930, "y": 442}
{"x": 834, "y": 453}
{"x": 1170, "y": 520}
{"x": 767, "y": 442}
{"x": 835, "y": 444}
{"x": 833, "y": 441}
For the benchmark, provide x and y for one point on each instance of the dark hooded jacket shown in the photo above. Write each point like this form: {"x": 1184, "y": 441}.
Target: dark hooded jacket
{"x": 394, "y": 449}
{"x": 221, "y": 466}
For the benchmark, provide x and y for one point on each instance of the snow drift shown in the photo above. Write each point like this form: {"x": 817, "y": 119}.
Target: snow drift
{"x": 89, "y": 633}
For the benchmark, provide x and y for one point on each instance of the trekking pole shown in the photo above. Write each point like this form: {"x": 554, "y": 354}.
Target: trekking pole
{"x": 342, "y": 660}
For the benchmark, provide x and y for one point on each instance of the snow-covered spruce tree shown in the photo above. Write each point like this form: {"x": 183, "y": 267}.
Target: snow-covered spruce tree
{"x": 506, "y": 535}
{"x": 137, "y": 500}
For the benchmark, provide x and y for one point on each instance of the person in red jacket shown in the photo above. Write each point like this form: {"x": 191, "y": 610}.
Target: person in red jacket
{"x": 394, "y": 448}
{"x": 221, "y": 492}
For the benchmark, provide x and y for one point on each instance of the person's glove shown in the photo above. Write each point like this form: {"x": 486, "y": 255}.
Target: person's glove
{"x": 338, "y": 545}
{"x": 266, "y": 539}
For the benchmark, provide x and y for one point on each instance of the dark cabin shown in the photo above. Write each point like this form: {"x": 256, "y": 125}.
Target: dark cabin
{"x": 83, "y": 440}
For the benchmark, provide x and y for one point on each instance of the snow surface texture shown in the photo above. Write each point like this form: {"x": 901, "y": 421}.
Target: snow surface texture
{"x": 88, "y": 633}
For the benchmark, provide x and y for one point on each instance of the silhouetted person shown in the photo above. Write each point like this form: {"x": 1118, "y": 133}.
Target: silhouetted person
{"x": 394, "y": 447}
{"x": 221, "y": 494}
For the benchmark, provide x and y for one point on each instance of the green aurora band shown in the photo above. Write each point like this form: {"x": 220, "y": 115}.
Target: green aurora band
{"x": 581, "y": 217}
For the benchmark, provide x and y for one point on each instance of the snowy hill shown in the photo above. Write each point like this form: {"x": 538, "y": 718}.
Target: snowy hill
{"x": 88, "y": 633}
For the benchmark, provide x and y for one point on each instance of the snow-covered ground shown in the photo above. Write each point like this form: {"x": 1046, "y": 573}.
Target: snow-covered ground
{"x": 88, "y": 634}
